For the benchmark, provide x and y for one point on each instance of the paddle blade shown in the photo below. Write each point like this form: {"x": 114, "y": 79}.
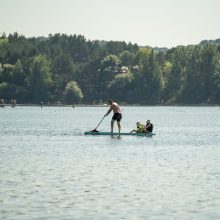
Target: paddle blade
{"x": 94, "y": 130}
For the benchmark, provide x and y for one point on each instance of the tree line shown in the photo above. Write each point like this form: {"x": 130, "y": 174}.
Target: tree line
{"x": 70, "y": 69}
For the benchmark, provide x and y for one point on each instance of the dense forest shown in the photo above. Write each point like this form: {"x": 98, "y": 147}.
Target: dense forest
{"x": 70, "y": 69}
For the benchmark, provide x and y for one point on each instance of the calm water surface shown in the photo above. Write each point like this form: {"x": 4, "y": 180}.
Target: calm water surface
{"x": 50, "y": 170}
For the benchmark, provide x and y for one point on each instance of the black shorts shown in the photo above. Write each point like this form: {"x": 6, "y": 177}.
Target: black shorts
{"x": 117, "y": 116}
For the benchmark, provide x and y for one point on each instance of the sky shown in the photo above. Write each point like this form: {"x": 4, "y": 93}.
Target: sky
{"x": 156, "y": 23}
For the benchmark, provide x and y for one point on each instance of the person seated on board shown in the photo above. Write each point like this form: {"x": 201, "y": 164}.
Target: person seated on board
{"x": 140, "y": 128}
{"x": 149, "y": 126}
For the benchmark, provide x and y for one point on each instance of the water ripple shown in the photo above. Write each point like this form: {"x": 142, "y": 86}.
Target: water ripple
{"x": 50, "y": 170}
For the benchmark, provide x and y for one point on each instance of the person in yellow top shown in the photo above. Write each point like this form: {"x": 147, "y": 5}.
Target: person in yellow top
{"x": 140, "y": 128}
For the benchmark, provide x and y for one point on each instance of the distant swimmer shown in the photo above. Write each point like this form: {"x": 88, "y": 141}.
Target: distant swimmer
{"x": 117, "y": 115}
{"x": 2, "y": 103}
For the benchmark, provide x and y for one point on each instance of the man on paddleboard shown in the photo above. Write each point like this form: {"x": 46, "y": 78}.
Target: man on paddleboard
{"x": 117, "y": 115}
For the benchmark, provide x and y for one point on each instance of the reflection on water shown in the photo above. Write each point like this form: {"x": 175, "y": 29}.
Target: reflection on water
{"x": 50, "y": 170}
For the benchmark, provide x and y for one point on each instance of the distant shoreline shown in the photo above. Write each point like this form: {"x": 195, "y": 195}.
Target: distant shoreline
{"x": 105, "y": 105}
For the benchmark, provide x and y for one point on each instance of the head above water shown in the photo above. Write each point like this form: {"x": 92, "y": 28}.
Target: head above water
{"x": 137, "y": 123}
{"x": 148, "y": 121}
{"x": 110, "y": 101}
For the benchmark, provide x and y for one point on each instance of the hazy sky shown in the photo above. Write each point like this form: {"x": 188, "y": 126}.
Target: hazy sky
{"x": 145, "y": 22}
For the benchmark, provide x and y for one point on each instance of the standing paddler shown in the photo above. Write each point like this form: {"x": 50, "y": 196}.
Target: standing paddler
{"x": 117, "y": 115}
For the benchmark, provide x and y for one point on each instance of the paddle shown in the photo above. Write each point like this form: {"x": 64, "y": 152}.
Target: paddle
{"x": 95, "y": 130}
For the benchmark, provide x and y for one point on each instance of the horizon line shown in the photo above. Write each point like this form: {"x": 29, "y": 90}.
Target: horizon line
{"x": 88, "y": 39}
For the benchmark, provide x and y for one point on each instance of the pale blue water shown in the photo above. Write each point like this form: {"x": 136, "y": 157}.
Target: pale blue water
{"x": 50, "y": 170}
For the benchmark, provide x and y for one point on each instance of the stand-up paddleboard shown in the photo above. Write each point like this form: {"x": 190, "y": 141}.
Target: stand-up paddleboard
{"x": 116, "y": 133}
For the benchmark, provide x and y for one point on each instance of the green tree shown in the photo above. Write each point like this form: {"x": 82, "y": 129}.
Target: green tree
{"x": 127, "y": 58}
{"x": 147, "y": 81}
{"x": 3, "y": 48}
{"x": 10, "y": 90}
{"x": 174, "y": 80}
{"x": 63, "y": 70}
{"x": 120, "y": 86}
{"x": 215, "y": 97}
{"x": 73, "y": 93}
{"x": 110, "y": 63}
{"x": 18, "y": 73}
{"x": 39, "y": 79}
{"x": 109, "y": 67}
{"x": 6, "y": 73}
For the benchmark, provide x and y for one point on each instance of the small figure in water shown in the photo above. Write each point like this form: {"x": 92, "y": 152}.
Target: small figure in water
{"x": 140, "y": 128}
{"x": 13, "y": 103}
{"x": 149, "y": 126}
{"x": 41, "y": 104}
{"x": 2, "y": 103}
{"x": 117, "y": 115}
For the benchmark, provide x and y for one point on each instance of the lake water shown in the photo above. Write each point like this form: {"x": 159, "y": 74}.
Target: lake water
{"x": 50, "y": 170}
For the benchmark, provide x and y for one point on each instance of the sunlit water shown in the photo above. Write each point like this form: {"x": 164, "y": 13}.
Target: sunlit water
{"x": 50, "y": 170}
